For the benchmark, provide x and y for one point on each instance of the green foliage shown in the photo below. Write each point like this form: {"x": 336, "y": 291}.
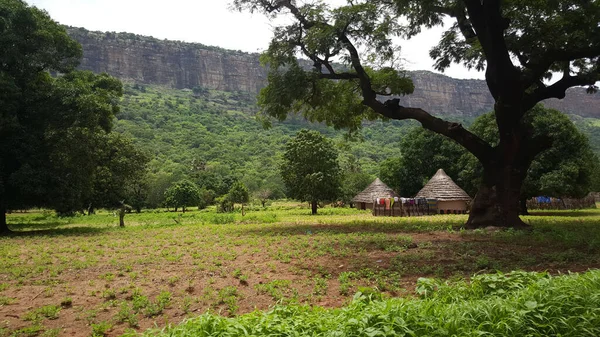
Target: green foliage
{"x": 238, "y": 193}
{"x": 291, "y": 89}
{"x": 423, "y": 153}
{"x": 55, "y": 144}
{"x": 100, "y": 329}
{"x": 535, "y": 29}
{"x": 214, "y": 142}
{"x": 567, "y": 168}
{"x": 47, "y": 311}
{"x": 514, "y": 304}
{"x": 354, "y": 183}
{"x": 120, "y": 175}
{"x": 391, "y": 172}
{"x": 183, "y": 194}
{"x": 310, "y": 169}
{"x": 512, "y": 40}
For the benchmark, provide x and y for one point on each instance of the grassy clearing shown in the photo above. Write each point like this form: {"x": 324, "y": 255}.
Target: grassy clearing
{"x": 97, "y": 277}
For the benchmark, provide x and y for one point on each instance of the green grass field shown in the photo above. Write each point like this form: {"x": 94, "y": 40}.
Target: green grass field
{"x": 83, "y": 276}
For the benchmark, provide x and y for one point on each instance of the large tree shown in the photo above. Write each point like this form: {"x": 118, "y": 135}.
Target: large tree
{"x": 50, "y": 126}
{"x": 566, "y": 169}
{"x": 517, "y": 43}
{"x": 310, "y": 169}
{"x": 238, "y": 193}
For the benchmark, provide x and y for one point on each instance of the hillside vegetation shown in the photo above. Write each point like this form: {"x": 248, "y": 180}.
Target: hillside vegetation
{"x": 214, "y": 138}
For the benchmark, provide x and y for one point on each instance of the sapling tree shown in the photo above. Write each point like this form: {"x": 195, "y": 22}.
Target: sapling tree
{"x": 238, "y": 193}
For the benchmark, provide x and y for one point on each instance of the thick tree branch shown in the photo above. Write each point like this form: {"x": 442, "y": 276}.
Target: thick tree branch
{"x": 464, "y": 24}
{"x": 339, "y": 76}
{"x": 557, "y": 90}
{"x": 537, "y": 68}
{"x": 458, "y": 12}
{"x": 455, "y": 131}
{"x": 391, "y": 108}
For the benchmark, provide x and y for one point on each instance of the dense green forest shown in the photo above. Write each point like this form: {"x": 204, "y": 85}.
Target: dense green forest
{"x": 213, "y": 138}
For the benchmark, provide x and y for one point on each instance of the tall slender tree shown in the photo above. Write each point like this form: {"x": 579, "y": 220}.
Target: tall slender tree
{"x": 518, "y": 44}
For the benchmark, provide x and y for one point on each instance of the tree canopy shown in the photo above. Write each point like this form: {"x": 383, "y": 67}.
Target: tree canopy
{"x": 182, "y": 194}
{"x": 238, "y": 193}
{"x": 120, "y": 173}
{"x": 518, "y": 44}
{"x": 53, "y": 129}
{"x": 310, "y": 169}
{"x": 568, "y": 168}
{"x": 423, "y": 153}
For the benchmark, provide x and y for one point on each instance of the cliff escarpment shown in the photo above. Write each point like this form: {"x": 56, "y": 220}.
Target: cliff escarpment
{"x": 187, "y": 65}
{"x": 171, "y": 63}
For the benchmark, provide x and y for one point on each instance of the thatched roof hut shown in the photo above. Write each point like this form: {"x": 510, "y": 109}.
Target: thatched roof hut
{"x": 441, "y": 187}
{"x": 377, "y": 189}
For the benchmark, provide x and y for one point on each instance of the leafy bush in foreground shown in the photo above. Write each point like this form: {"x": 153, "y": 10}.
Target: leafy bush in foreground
{"x": 516, "y": 304}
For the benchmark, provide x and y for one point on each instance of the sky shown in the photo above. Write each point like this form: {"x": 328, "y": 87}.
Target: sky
{"x": 209, "y": 22}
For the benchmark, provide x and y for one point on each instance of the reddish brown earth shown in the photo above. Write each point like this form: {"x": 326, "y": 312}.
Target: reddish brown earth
{"x": 431, "y": 254}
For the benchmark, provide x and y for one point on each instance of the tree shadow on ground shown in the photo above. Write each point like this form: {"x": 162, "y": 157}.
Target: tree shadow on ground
{"x": 571, "y": 214}
{"x": 51, "y": 229}
{"x": 352, "y": 227}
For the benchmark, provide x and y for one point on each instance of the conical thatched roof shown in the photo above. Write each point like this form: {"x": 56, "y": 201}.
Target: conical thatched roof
{"x": 441, "y": 187}
{"x": 377, "y": 189}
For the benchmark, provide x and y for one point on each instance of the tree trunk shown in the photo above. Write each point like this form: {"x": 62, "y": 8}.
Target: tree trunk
{"x": 243, "y": 209}
{"x": 182, "y": 209}
{"x": 314, "y": 207}
{"x": 3, "y": 226}
{"x": 497, "y": 201}
{"x": 121, "y": 218}
{"x": 523, "y": 207}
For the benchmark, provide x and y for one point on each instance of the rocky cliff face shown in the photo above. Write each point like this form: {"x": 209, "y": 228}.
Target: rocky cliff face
{"x": 439, "y": 94}
{"x": 171, "y": 63}
{"x": 186, "y": 65}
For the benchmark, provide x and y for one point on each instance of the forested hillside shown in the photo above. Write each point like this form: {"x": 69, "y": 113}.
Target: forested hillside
{"x": 213, "y": 138}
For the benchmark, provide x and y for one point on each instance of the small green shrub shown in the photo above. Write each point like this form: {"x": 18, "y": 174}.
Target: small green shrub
{"x": 47, "y": 311}
{"x": 100, "y": 329}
